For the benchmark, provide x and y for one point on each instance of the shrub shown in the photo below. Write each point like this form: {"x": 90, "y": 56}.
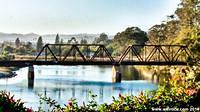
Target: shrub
{"x": 9, "y": 104}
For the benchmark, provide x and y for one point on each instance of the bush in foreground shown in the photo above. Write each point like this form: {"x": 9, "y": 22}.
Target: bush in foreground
{"x": 9, "y": 104}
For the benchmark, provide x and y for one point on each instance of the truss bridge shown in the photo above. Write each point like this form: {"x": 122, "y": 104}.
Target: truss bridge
{"x": 97, "y": 54}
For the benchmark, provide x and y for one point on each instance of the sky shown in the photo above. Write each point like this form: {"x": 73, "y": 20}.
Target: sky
{"x": 82, "y": 16}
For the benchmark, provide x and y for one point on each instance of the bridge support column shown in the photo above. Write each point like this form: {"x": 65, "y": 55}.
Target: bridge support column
{"x": 116, "y": 74}
{"x": 30, "y": 77}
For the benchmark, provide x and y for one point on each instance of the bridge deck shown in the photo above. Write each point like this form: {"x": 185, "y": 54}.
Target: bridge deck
{"x": 29, "y": 63}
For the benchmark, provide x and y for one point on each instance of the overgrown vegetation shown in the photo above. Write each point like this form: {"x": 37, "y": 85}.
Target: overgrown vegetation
{"x": 9, "y": 104}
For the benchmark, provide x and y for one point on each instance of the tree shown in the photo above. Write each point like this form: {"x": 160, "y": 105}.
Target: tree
{"x": 84, "y": 48}
{"x": 57, "y": 40}
{"x": 55, "y": 48}
{"x": 39, "y": 44}
{"x": 22, "y": 50}
{"x": 102, "y": 38}
{"x": 184, "y": 23}
{"x": 9, "y": 49}
{"x": 189, "y": 15}
{"x": 83, "y": 41}
{"x": 28, "y": 45}
{"x": 183, "y": 27}
{"x": 17, "y": 42}
{"x": 72, "y": 41}
{"x": 61, "y": 41}
{"x": 158, "y": 34}
{"x": 131, "y": 35}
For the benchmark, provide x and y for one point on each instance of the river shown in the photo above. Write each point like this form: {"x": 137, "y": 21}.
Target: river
{"x": 64, "y": 82}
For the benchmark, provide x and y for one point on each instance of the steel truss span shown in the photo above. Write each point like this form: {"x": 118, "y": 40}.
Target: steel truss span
{"x": 98, "y": 54}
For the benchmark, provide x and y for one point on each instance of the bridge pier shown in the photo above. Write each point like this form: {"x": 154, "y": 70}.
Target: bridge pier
{"x": 30, "y": 77}
{"x": 116, "y": 74}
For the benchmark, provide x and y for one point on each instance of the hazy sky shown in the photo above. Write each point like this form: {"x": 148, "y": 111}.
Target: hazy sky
{"x": 81, "y": 16}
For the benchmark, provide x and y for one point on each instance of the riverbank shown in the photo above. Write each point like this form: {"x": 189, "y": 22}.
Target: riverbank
{"x": 157, "y": 74}
{"x": 152, "y": 74}
{"x": 147, "y": 73}
{"x": 7, "y": 72}
{"x": 138, "y": 73}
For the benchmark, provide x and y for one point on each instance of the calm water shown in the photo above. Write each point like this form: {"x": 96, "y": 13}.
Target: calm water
{"x": 64, "y": 82}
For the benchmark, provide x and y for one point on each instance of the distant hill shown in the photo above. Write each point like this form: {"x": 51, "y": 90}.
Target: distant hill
{"x": 47, "y": 38}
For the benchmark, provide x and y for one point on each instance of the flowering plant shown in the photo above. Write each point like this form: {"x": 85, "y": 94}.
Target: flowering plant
{"x": 9, "y": 104}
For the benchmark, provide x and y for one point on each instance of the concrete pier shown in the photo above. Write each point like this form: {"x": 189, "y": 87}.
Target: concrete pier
{"x": 116, "y": 74}
{"x": 30, "y": 77}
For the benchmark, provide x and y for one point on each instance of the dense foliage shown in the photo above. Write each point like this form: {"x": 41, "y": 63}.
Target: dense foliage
{"x": 22, "y": 49}
{"x": 131, "y": 35}
{"x": 5, "y": 56}
{"x": 182, "y": 27}
{"x": 9, "y": 104}
{"x": 102, "y": 39}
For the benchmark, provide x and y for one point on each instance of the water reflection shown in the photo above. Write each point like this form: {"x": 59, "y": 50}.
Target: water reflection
{"x": 130, "y": 73}
{"x": 64, "y": 82}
